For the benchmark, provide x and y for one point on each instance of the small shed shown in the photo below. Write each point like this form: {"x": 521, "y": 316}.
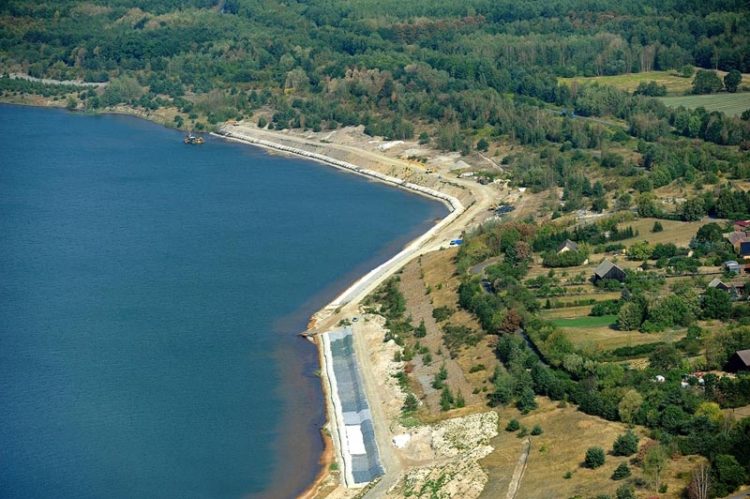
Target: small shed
{"x": 568, "y": 245}
{"x": 718, "y": 284}
{"x": 732, "y": 266}
{"x": 742, "y": 225}
{"x": 608, "y": 270}
{"x": 739, "y": 361}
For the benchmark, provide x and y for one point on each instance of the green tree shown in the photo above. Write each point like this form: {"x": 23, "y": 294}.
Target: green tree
{"x": 421, "y": 330}
{"x": 625, "y": 492}
{"x": 262, "y": 122}
{"x": 622, "y": 471}
{"x": 693, "y": 210}
{"x": 665, "y": 358}
{"x": 729, "y": 474}
{"x": 732, "y": 80}
{"x": 629, "y": 405}
{"x": 410, "y": 403}
{"x": 483, "y": 145}
{"x": 654, "y": 464}
{"x": 594, "y": 457}
{"x": 717, "y": 304}
{"x": 706, "y": 82}
{"x": 630, "y": 316}
{"x": 526, "y": 401}
{"x": 709, "y": 233}
{"x": 625, "y": 444}
{"x": 446, "y": 399}
{"x": 513, "y": 425}
{"x": 639, "y": 251}
{"x": 657, "y": 227}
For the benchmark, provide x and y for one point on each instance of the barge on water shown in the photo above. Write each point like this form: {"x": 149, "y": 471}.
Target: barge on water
{"x": 193, "y": 139}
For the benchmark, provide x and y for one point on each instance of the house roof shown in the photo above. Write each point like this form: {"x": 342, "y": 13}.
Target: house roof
{"x": 715, "y": 282}
{"x": 742, "y": 223}
{"x": 603, "y": 268}
{"x": 571, "y": 245}
{"x": 736, "y": 237}
{"x": 731, "y": 263}
{"x": 744, "y": 356}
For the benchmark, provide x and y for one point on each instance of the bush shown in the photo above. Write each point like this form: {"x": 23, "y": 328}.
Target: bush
{"x": 622, "y": 471}
{"x": 513, "y": 425}
{"x": 625, "y": 492}
{"x": 410, "y": 403}
{"x": 537, "y": 430}
{"x": 626, "y": 444}
{"x": 657, "y": 227}
{"x": 594, "y": 457}
{"x": 442, "y": 313}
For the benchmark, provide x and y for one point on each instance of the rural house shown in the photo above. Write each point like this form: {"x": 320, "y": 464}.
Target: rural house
{"x": 608, "y": 270}
{"x": 739, "y": 361}
{"x": 568, "y": 245}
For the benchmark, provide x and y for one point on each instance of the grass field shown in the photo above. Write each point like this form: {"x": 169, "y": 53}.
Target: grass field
{"x": 560, "y": 449}
{"x": 676, "y": 85}
{"x": 601, "y": 339}
{"x": 585, "y": 322}
{"x": 729, "y": 104}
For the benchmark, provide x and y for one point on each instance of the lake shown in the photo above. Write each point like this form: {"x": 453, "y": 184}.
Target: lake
{"x": 151, "y": 294}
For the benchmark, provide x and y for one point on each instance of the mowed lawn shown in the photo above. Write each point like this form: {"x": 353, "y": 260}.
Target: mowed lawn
{"x": 729, "y": 104}
{"x": 585, "y": 322}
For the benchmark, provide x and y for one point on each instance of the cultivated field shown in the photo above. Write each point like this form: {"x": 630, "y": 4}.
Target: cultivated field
{"x": 729, "y": 104}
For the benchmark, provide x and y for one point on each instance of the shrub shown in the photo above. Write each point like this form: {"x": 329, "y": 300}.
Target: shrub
{"x": 625, "y": 492}
{"x": 442, "y": 313}
{"x": 537, "y": 430}
{"x": 513, "y": 425}
{"x": 410, "y": 403}
{"x": 568, "y": 475}
{"x": 594, "y": 457}
{"x": 446, "y": 399}
{"x": 622, "y": 471}
{"x": 626, "y": 444}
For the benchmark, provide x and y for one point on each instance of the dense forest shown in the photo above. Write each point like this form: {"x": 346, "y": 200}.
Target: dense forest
{"x": 381, "y": 64}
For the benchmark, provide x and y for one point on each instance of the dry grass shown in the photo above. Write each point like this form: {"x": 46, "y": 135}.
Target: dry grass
{"x": 676, "y": 232}
{"x": 561, "y": 448}
{"x": 676, "y": 84}
{"x": 729, "y": 104}
{"x": 739, "y": 412}
{"x": 599, "y": 339}
{"x": 438, "y": 271}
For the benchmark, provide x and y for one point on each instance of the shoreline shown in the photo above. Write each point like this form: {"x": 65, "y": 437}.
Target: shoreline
{"x": 357, "y": 291}
{"x": 320, "y": 321}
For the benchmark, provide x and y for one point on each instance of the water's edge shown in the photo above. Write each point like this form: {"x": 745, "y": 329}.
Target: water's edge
{"x": 454, "y": 206}
{"x": 353, "y": 292}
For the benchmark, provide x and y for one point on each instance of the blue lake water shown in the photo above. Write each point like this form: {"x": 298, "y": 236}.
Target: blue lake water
{"x": 150, "y": 299}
